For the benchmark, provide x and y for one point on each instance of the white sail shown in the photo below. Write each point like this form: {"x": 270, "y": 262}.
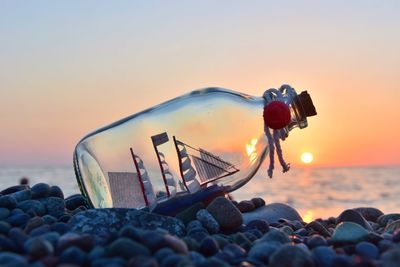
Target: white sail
{"x": 188, "y": 172}
{"x": 169, "y": 178}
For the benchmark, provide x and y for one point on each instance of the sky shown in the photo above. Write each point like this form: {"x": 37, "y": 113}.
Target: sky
{"x": 70, "y": 67}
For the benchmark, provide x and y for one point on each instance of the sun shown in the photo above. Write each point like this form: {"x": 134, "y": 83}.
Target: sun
{"x": 307, "y": 157}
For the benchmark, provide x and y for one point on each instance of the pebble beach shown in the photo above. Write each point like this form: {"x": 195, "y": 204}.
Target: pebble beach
{"x": 41, "y": 227}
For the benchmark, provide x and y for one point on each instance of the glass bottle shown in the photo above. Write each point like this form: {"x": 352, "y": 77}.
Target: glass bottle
{"x": 207, "y": 142}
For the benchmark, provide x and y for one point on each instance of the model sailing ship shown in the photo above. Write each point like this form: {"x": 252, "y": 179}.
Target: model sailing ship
{"x": 199, "y": 171}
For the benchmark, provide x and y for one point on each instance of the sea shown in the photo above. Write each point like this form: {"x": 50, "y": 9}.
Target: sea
{"x": 313, "y": 192}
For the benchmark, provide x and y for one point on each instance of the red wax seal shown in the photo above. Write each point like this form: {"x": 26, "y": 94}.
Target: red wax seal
{"x": 277, "y": 115}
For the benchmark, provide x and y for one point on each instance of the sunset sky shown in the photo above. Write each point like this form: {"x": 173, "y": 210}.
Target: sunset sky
{"x": 70, "y": 67}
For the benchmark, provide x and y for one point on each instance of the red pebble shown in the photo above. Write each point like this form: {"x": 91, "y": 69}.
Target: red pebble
{"x": 277, "y": 115}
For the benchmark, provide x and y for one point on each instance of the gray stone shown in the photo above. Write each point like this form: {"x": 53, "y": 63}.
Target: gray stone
{"x": 189, "y": 214}
{"x": 385, "y": 219}
{"x": 38, "y": 247}
{"x": 275, "y": 236}
{"x": 12, "y": 260}
{"x": 272, "y": 213}
{"x": 291, "y": 256}
{"x": 8, "y": 202}
{"x": 40, "y": 190}
{"x": 261, "y": 252}
{"x": 393, "y": 227}
{"x": 177, "y": 244}
{"x": 126, "y": 248}
{"x": 355, "y": 217}
{"x": 4, "y": 213}
{"x": 349, "y": 232}
{"x": 225, "y": 213}
{"x": 391, "y": 258}
{"x": 208, "y": 221}
{"x": 22, "y": 195}
{"x": 34, "y": 205}
{"x": 319, "y": 228}
{"x": 56, "y": 191}
{"x": 245, "y": 206}
{"x": 55, "y": 206}
{"x": 101, "y": 221}
{"x": 369, "y": 213}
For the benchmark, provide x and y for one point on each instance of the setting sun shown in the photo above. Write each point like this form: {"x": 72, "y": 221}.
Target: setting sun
{"x": 307, "y": 157}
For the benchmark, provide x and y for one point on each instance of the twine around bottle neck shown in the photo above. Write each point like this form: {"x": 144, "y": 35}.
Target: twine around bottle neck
{"x": 273, "y": 139}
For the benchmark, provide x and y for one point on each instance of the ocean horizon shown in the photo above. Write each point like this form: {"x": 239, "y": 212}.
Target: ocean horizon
{"x": 320, "y": 192}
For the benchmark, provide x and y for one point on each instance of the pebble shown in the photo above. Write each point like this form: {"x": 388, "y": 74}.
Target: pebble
{"x": 64, "y": 234}
{"x": 349, "y": 232}
{"x": 275, "y": 236}
{"x": 73, "y": 255}
{"x": 4, "y": 213}
{"x": 10, "y": 259}
{"x": 33, "y": 223}
{"x": 40, "y": 190}
{"x": 100, "y": 221}
{"x": 130, "y": 232}
{"x": 18, "y": 219}
{"x": 261, "y": 225}
{"x": 189, "y": 214}
{"x": 258, "y": 202}
{"x": 391, "y": 258}
{"x": 367, "y": 251}
{"x": 13, "y": 189}
{"x": 316, "y": 241}
{"x": 4, "y": 227}
{"x": 22, "y": 195}
{"x": 178, "y": 245}
{"x": 55, "y": 206}
{"x": 7, "y": 245}
{"x": 8, "y": 202}
{"x": 369, "y": 213}
{"x": 393, "y": 227}
{"x": 245, "y": 206}
{"x": 36, "y": 206}
{"x": 38, "y": 247}
{"x": 43, "y": 229}
{"x": 272, "y": 213}
{"x": 319, "y": 228}
{"x": 341, "y": 261}
{"x": 235, "y": 251}
{"x": 56, "y": 191}
{"x": 207, "y": 221}
{"x": 60, "y": 227}
{"x": 323, "y": 256}
{"x": 355, "y": 217}
{"x": 386, "y": 218}
{"x": 126, "y": 248}
{"x": 291, "y": 256}
{"x": 75, "y": 201}
{"x": 209, "y": 247}
{"x": 225, "y": 213}
{"x": 153, "y": 240}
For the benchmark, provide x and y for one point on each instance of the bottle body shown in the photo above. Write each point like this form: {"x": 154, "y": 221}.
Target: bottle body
{"x": 210, "y": 137}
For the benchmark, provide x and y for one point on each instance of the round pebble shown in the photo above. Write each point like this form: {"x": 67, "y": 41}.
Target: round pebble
{"x": 209, "y": 246}
{"x": 261, "y": 225}
{"x": 126, "y": 248}
{"x": 8, "y": 202}
{"x": 367, "y": 251}
{"x": 4, "y": 213}
{"x": 208, "y": 221}
{"x": 40, "y": 190}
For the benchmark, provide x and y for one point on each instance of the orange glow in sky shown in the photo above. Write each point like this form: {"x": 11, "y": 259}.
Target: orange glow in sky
{"x": 67, "y": 69}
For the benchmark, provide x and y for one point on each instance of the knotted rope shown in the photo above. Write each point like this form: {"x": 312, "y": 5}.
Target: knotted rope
{"x": 273, "y": 139}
